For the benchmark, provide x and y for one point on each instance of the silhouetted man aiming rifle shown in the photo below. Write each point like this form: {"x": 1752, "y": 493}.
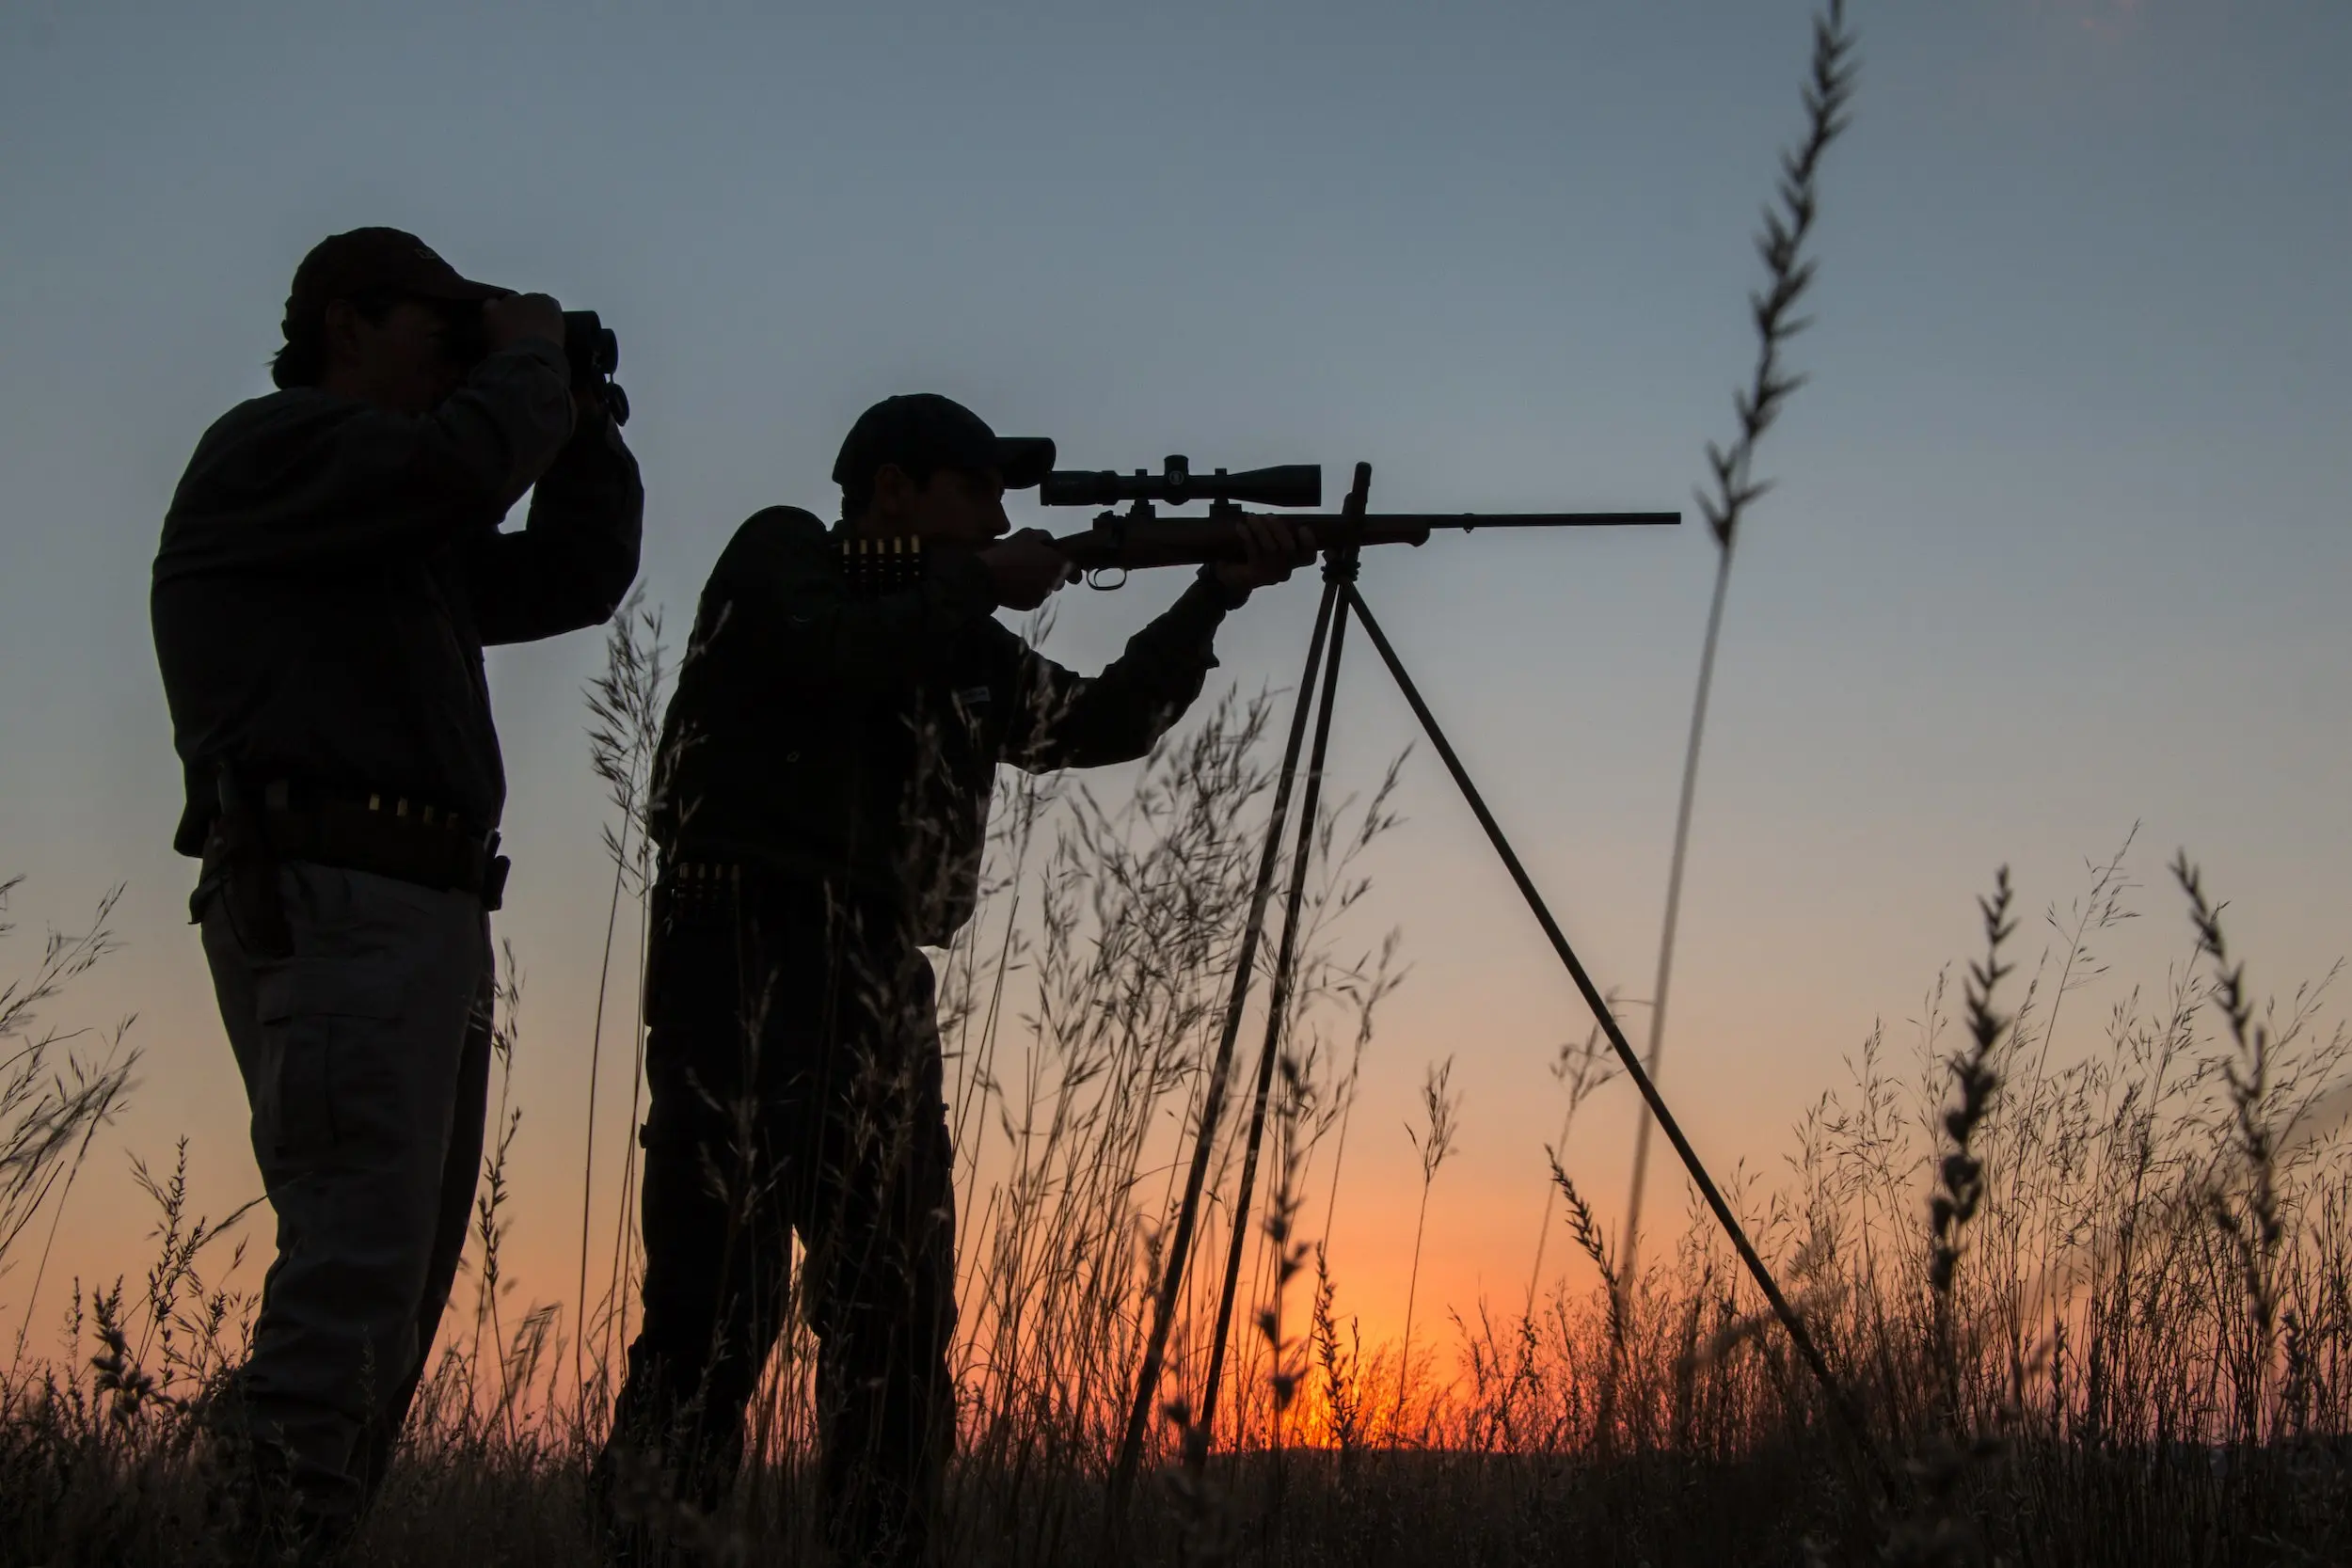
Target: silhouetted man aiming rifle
{"x": 820, "y": 805}
{"x": 331, "y": 567}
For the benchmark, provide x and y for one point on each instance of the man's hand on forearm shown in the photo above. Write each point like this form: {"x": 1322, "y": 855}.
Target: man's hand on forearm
{"x": 509, "y": 320}
{"x": 1272, "y": 548}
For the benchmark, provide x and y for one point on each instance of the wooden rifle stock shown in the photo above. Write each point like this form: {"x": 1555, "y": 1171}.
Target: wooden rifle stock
{"x": 1118, "y": 542}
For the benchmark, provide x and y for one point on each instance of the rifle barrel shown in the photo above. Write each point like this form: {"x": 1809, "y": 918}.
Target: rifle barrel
{"x": 1469, "y": 520}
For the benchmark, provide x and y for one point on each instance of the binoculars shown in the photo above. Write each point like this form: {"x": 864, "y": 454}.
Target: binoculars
{"x": 593, "y": 348}
{"x": 594, "y": 351}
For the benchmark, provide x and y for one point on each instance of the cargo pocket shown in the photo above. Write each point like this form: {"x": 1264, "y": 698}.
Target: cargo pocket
{"x": 317, "y": 1018}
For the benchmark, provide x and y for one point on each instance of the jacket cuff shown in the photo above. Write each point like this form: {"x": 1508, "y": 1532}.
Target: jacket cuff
{"x": 1199, "y": 610}
{"x": 1212, "y": 588}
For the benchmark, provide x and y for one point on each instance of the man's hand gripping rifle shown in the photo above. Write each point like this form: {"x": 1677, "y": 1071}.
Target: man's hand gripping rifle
{"x": 1129, "y": 540}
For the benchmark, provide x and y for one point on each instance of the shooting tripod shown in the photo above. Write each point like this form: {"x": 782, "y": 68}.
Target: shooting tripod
{"x": 1341, "y": 601}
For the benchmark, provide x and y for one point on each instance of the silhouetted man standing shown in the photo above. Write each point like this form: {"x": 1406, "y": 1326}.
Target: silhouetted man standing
{"x": 821, "y": 804}
{"x": 331, "y": 568}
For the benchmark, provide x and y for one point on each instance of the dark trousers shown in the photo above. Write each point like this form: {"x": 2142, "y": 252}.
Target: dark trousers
{"x": 794, "y": 1062}
{"x": 366, "y": 1056}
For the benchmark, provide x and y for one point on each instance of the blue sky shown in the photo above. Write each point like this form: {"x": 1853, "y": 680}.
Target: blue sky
{"x": 2059, "y": 543}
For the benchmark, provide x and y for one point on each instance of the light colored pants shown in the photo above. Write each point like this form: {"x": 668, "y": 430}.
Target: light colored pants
{"x": 366, "y": 1059}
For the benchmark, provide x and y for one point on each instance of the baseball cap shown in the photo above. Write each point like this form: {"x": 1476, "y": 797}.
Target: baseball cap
{"x": 926, "y": 430}
{"x": 358, "y": 260}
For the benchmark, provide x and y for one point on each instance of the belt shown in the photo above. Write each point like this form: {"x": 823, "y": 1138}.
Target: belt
{"x": 389, "y": 836}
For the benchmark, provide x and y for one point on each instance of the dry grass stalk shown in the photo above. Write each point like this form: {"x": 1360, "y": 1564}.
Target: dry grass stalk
{"x": 58, "y": 1088}
{"x": 1788, "y": 271}
{"x": 1439, "y": 1107}
{"x": 625, "y": 709}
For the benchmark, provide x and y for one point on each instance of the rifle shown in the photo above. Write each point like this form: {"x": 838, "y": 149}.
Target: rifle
{"x": 1138, "y": 537}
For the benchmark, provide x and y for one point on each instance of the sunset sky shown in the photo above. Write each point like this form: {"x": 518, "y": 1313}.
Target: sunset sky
{"x": 2060, "y": 544}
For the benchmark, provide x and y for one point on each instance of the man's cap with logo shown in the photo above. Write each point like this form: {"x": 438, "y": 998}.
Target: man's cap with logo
{"x": 360, "y": 259}
{"x": 925, "y": 431}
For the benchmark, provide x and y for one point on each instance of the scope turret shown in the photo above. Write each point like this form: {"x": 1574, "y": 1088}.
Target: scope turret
{"x": 1290, "y": 485}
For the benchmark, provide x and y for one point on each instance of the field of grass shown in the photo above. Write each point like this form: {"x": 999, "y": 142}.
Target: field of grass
{"x": 2081, "y": 1306}
{"x": 2097, "y": 1312}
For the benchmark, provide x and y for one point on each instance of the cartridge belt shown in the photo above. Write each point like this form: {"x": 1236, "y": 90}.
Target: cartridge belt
{"x": 693, "y": 886}
{"x": 700, "y": 888}
{"x": 385, "y": 835}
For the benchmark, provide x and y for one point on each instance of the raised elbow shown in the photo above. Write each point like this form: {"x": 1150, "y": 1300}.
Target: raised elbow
{"x": 613, "y": 587}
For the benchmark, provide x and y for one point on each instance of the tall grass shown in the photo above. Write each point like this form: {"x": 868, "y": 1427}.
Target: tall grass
{"x": 1733, "y": 486}
{"x": 625, "y": 709}
{"x": 58, "y": 1088}
{"x": 1440, "y": 1107}
{"x": 2096, "y": 1293}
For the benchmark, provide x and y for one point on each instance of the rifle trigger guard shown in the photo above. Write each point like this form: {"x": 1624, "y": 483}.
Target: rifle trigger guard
{"x": 1095, "y": 580}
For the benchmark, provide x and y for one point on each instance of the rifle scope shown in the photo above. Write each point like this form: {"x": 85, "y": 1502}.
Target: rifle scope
{"x": 1290, "y": 485}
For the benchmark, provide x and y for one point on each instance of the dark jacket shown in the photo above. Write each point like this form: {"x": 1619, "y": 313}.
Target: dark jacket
{"x": 852, "y": 741}
{"x": 330, "y": 572}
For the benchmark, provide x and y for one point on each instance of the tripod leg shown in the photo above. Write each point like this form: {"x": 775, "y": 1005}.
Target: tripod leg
{"x": 1339, "y": 566}
{"x": 1839, "y": 1400}
{"x": 1212, "y": 1104}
